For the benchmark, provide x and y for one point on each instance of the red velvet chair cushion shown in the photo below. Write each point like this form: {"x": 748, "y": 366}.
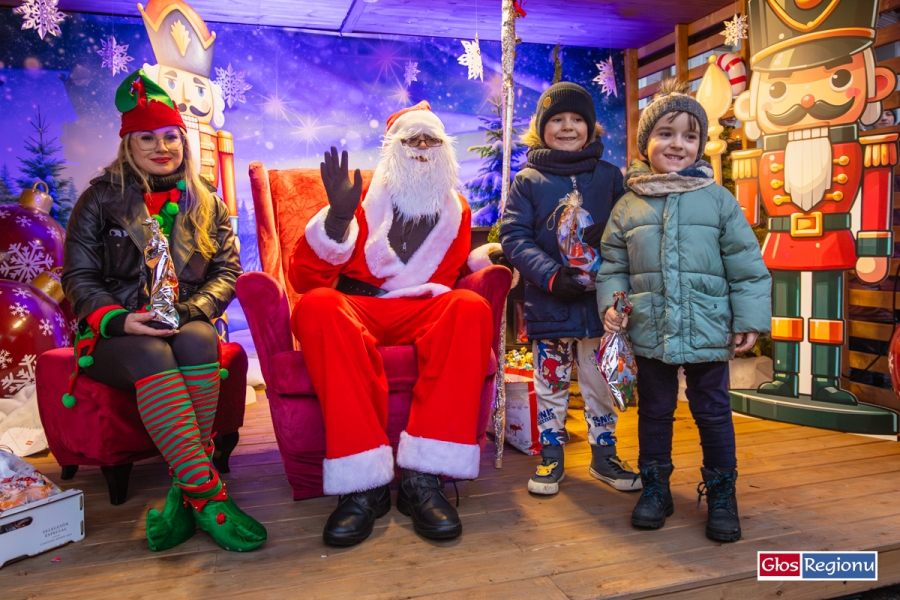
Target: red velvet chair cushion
{"x": 104, "y": 427}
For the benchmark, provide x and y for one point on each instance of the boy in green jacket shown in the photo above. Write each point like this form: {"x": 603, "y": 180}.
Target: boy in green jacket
{"x": 679, "y": 245}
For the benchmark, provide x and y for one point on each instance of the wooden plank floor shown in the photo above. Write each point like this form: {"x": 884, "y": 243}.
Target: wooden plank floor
{"x": 799, "y": 489}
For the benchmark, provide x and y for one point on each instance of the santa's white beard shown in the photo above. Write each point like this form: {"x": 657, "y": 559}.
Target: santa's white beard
{"x": 419, "y": 189}
{"x": 807, "y": 170}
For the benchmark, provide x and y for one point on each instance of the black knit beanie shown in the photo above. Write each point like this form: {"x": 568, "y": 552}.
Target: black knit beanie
{"x": 564, "y": 97}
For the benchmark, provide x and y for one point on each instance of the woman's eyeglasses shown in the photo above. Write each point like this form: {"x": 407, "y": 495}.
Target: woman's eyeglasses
{"x": 417, "y": 141}
{"x": 148, "y": 142}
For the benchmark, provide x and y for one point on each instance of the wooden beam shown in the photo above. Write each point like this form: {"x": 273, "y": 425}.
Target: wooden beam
{"x": 886, "y": 5}
{"x": 631, "y": 102}
{"x": 861, "y": 360}
{"x": 698, "y": 72}
{"x": 681, "y": 52}
{"x": 892, "y": 101}
{"x": 648, "y": 90}
{"x": 874, "y": 299}
{"x": 871, "y": 395}
{"x": 657, "y": 65}
{"x": 871, "y": 331}
{"x": 705, "y": 45}
{"x": 716, "y": 18}
{"x": 353, "y": 14}
{"x": 887, "y": 35}
{"x": 656, "y": 46}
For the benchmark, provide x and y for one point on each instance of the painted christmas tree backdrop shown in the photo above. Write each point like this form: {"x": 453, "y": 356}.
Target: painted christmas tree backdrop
{"x": 289, "y": 96}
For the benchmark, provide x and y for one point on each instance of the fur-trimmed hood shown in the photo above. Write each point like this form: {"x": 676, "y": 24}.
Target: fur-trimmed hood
{"x": 641, "y": 180}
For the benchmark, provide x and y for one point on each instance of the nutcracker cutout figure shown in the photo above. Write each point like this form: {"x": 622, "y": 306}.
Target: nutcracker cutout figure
{"x": 827, "y": 192}
{"x": 184, "y": 51}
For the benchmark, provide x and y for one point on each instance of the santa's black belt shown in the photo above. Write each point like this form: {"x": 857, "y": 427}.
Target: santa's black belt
{"x": 830, "y": 222}
{"x": 355, "y": 287}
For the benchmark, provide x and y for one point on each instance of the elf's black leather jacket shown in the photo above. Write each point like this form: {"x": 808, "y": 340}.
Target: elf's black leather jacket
{"x": 104, "y": 246}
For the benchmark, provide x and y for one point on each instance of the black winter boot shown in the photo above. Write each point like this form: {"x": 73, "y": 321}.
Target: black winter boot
{"x": 421, "y": 496}
{"x": 722, "y": 522}
{"x": 655, "y": 503}
{"x": 353, "y": 519}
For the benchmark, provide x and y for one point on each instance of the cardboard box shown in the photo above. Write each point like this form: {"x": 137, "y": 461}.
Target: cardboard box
{"x": 40, "y": 526}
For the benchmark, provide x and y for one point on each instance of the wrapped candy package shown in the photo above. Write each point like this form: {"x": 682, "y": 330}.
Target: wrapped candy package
{"x": 163, "y": 290}
{"x": 20, "y": 483}
{"x": 575, "y": 253}
{"x": 615, "y": 359}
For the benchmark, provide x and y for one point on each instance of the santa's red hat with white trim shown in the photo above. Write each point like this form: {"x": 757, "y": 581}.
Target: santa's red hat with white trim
{"x": 415, "y": 119}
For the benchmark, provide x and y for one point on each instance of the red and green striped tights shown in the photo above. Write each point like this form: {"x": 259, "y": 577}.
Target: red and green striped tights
{"x": 178, "y": 408}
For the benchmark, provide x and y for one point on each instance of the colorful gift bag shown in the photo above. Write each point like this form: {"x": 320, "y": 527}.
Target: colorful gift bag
{"x": 574, "y": 252}
{"x": 615, "y": 359}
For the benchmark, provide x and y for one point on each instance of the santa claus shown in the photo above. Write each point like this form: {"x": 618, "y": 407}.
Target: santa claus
{"x": 381, "y": 272}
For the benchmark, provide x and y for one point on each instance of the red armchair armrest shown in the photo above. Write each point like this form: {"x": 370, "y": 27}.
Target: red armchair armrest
{"x": 491, "y": 283}
{"x": 266, "y": 305}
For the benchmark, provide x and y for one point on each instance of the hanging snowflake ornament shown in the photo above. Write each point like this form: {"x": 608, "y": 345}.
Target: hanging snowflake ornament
{"x": 735, "y": 30}
{"x": 411, "y": 72}
{"x": 606, "y": 78}
{"x": 114, "y": 55}
{"x": 41, "y": 15}
{"x": 472, "y": 59}
{"x": 232, "y": 84}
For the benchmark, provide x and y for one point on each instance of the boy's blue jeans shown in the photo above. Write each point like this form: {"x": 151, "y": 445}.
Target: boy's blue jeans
{"x": 710, "y": 404}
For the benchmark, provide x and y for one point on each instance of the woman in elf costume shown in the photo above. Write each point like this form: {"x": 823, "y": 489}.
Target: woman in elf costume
{"x": 174, "y": 371}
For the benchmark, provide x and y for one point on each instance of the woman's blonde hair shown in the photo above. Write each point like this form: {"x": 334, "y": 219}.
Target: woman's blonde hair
{"x": 199, "y": 201}
{"x": 532, "y": 138}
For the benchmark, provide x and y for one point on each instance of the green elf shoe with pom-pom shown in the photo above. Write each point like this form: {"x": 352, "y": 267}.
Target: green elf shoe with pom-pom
{"x": 217, "y": 514}
{"x": 174, "y": 525}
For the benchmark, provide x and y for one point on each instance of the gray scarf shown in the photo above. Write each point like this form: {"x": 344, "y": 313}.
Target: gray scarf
{"x": 646, "y": 183}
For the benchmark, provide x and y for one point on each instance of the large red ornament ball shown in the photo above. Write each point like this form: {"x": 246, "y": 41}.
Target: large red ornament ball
{"x": 894, "y": 361}
{"x": 30, "y": 324}
{"x": 31, "y": 242}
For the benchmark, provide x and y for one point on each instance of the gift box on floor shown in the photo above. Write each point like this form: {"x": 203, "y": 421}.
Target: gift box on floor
{"x": 40, "y": 526}
{"x": 521, "y": 411}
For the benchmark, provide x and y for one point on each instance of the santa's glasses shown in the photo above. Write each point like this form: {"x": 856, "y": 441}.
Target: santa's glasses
{"x": 417, "y": 141}
{"x": 147, "y": 141}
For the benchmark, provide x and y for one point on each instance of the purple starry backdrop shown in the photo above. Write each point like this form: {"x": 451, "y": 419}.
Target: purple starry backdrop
{"x": 308, "y": 92}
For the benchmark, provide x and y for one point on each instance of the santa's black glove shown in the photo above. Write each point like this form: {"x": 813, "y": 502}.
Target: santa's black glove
{"x": 565, "y": 287}
{"x": 592, "y": 234}
{"x": 497, "y": 257}
{"x": 343, "y": 196}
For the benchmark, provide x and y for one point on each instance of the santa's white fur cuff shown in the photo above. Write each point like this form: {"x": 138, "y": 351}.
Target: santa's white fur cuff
{"x": 479, "y": 259}
{"x": 332, "y": 252}
{"x": 358, "y": 472}
{"x": 460, "y": 461}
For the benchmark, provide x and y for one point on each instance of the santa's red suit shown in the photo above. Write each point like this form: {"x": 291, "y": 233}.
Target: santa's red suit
{"x": 338, "y": 333}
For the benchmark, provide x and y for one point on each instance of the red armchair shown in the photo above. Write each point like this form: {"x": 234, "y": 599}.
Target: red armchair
{"x": 284, "y": 201}
{"x": 104, "y": 427}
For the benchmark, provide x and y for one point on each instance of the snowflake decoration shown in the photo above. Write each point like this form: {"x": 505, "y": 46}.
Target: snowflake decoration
{"x": 232, "y": 84}
{"x": 60, "y": 321}
{"x": 13, "y": 383}
{"x": 41, "y": 15}
{"x": 606, "y": 78}
{"x": 4, "y": 214}
{"x": 5, "y": 359}
{"x": 472, "y": 59}
{"x": 45, "y": 327}
{"x": 22, "y": 221}
{"x": 24, "y": 263}
{"x": 20, "y": 292}
{"x": 53, "y": 231}
{"x": 18, "y": 309}
{"x": 114, "y": 55}
{"x": 411, "y": 72}
{"x": 735, "y": 30}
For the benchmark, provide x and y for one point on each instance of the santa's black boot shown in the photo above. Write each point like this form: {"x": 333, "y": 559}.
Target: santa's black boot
{"x": 353, "y": 519}
{"x": 722, "y": 523}
{"x": 655, "y": 503}
{"x": 421, "y": 497}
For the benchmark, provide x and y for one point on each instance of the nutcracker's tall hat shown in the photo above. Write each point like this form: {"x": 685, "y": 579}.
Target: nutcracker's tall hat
{"x": 144, "y": 105}
{"x": 786, "y": 35}
{"x": 179, "y": 36}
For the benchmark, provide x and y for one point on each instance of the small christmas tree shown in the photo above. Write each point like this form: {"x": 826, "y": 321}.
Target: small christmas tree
{"x": 44, "y": 166}
{"x": 484, "y": 189}
{"x": 247, "y": 236}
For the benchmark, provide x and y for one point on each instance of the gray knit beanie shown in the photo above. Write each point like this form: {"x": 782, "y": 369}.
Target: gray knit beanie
{"x": 673, "y": 96}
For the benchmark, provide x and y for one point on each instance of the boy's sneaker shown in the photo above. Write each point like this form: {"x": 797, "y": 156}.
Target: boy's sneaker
{"x": 609, "y": 468}
{"x": 550, "y": 472}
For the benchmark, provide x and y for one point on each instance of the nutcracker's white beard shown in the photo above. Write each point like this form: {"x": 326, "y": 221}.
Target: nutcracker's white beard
{"x": 807, "y": 170}
{"x": 419, "y": 188}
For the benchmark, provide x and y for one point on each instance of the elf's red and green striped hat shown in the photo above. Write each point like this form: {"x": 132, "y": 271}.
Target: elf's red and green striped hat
{"x": 144, "y": 105}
